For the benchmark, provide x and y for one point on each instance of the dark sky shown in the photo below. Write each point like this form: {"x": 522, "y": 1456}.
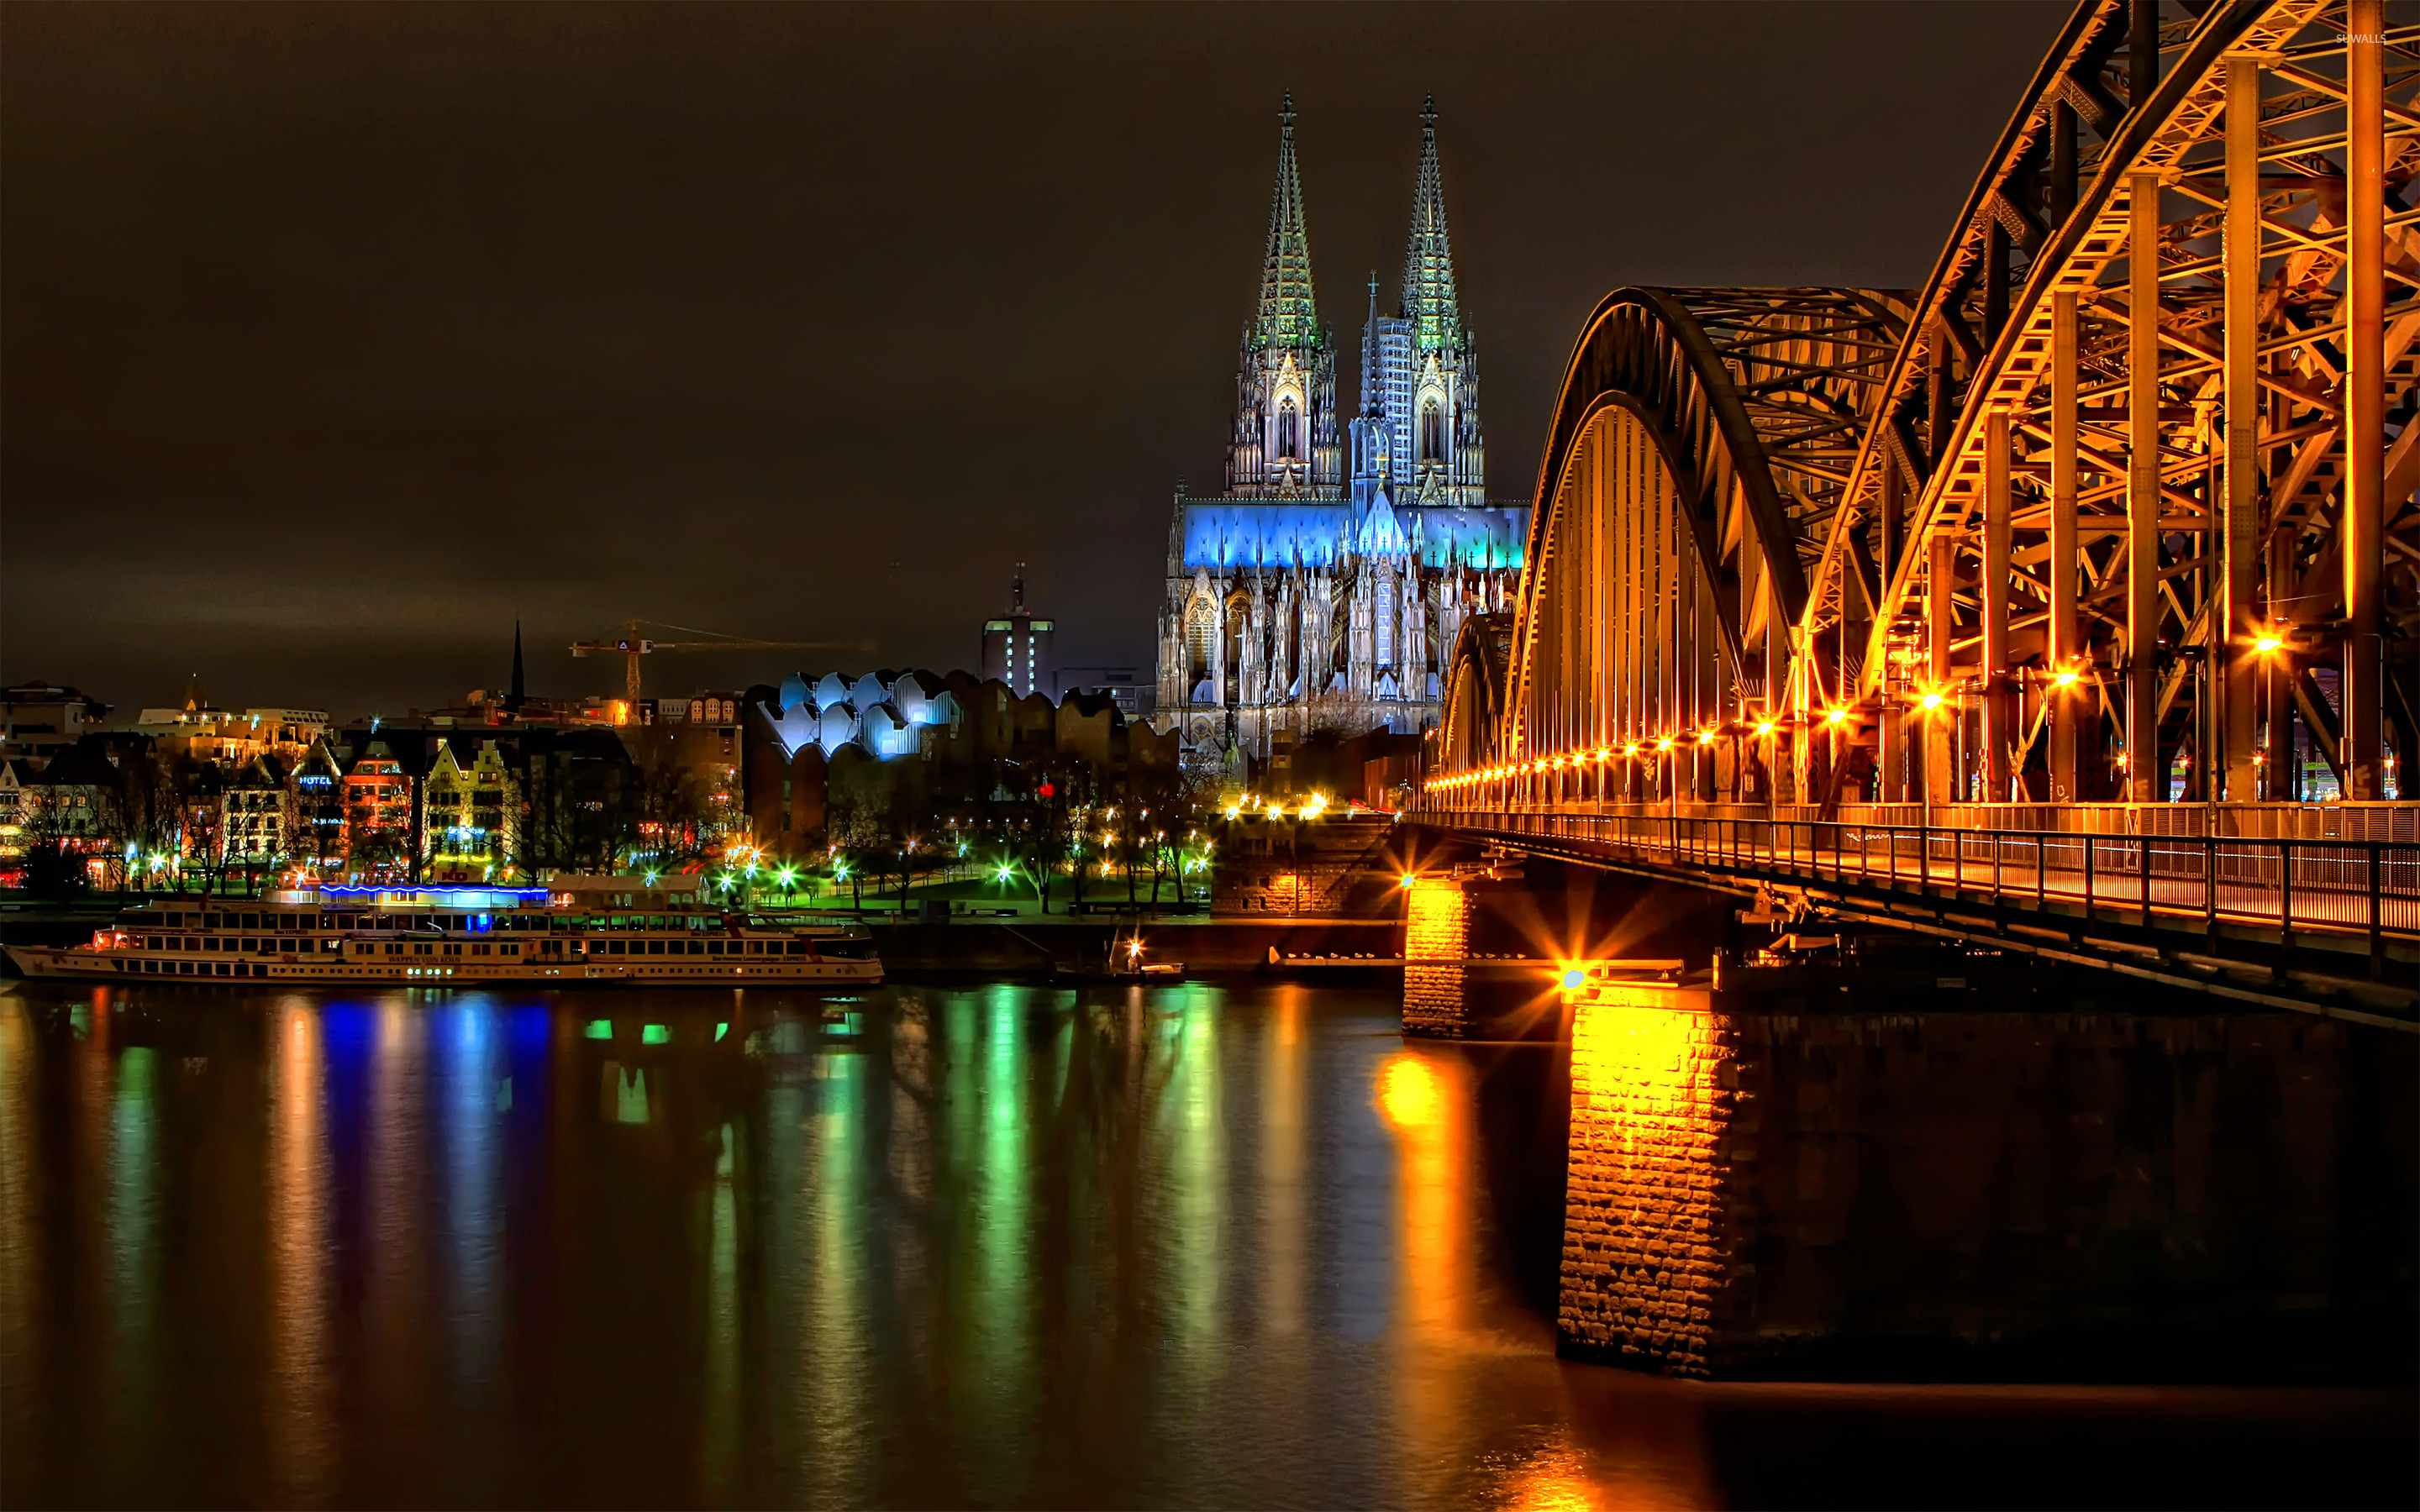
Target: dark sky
{"x": 333, "y": 338}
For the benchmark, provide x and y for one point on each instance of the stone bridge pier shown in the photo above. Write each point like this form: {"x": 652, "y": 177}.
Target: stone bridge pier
{"x": 1917, "y": 1191}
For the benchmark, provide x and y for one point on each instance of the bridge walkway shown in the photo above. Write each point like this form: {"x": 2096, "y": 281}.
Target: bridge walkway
{"x": 2351, "y": 899}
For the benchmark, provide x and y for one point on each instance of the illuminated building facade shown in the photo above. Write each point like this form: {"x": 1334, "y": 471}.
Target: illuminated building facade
{"x": 37, "y": 719}
{"x": 471, "y": 813}
{"x": 256, "y": 813}
{"x": 1324, "y": 588}
{"x": 378, "y": 807}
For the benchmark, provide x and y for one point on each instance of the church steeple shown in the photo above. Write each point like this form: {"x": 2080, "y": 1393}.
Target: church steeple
{"x": 1430, "y": 299}
{"x": 520, "y": 694}
{"x": 1289, "y": 313}
{"x": 1286, "y": 439}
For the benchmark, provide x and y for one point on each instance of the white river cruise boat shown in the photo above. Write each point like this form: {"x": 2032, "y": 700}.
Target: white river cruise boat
{"x": 570, "y": 931}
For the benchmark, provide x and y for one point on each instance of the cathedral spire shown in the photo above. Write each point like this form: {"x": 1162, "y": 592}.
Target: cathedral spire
{"x": 1289, "y": 315}
{"x": 1431, "y": 301}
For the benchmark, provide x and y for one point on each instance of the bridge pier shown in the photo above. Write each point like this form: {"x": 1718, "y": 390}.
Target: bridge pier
{"x": 1436, "y": 941}
{"x": 1958, "y": 1194}
{"x": 1651, "y": 1270}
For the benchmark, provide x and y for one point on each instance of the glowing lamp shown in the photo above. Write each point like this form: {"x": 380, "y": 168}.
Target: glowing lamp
{"x": 1664, "y": 743}
{"x": 1574, "y": 979}
{"x": 1407, "y": 881}
{"x": 1836, "y": 717}
{"x": 1932, "y": 700}
{"x": 2267, "y": 643}
{"x": 2065, "y": 679}
{"x": 1764, "y": 729}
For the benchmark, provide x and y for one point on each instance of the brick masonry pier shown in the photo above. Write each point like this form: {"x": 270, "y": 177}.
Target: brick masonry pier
{"x": 1955, "y": 1193}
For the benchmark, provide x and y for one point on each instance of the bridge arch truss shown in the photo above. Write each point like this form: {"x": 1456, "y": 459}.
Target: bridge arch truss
{"x": 2122, "y": 499}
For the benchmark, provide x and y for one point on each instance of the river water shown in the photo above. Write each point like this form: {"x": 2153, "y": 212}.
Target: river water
{"x": 999, "y": 1245}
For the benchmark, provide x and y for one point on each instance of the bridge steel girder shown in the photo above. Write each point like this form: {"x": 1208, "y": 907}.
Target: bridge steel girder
{"x": 1474, "y": 688}
{"x": 2198, "y": 340}
{"x": 2243, "y": 477}
{"x": 1732, "y": 413}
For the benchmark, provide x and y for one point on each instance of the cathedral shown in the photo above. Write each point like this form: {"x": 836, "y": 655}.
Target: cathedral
{"x": 1322, "y": 588}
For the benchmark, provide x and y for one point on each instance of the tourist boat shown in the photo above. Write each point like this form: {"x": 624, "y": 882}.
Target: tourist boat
{"x": 636, "y": 931}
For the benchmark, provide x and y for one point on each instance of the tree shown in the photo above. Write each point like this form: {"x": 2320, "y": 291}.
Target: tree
{"x": 1154, "y": 803}
{"x": 55, "y": 866}
{"x": 672, "y": 809}
{"x": 856, "y": 826}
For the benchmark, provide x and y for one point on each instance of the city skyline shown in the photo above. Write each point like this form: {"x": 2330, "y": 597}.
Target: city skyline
{"x": 336, "y": 341}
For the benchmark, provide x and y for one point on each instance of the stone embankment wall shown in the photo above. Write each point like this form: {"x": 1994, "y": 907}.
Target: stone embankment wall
{"x": 1037, "y": 949}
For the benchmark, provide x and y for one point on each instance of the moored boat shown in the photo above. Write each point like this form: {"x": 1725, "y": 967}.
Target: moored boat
{"x": 604, "y": 930}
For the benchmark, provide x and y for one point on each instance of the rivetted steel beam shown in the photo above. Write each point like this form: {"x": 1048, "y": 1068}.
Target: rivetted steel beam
{"x": 2364, "y": 516}
{"x": 2069, "y": 702}
{"x": 1999, "y": 732}
{"x": 2143, "y": 490}
{"x": 2235, "y": 662}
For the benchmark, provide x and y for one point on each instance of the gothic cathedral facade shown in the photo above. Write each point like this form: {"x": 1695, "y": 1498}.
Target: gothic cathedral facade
{"x": 1324, "y": 587}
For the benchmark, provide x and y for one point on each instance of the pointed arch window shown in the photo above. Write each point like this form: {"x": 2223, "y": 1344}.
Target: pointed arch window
{"x": 1201, "y": 636}
{"x": 1432, "y": 432}
{"x": 1289, "y": 430}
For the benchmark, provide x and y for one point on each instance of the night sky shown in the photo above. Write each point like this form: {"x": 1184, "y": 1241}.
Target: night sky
{"x": 334, "y": 338}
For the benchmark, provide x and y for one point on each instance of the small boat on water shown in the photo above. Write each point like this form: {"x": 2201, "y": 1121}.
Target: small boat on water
{"x": 594, "y": 929}
{"x": 1127, "y": 959}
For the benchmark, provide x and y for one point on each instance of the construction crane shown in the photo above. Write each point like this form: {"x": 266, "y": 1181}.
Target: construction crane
{"x": 633, "y": 647}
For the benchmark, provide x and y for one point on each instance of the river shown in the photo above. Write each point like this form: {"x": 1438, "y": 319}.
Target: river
{"x": 1003, "y": 1245}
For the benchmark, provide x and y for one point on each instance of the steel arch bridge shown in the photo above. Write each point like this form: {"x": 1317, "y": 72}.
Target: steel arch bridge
{"x": 2117, "y": 511}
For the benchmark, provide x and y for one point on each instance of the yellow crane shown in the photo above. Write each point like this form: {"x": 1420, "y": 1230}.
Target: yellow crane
{"x": 633, "y": 645}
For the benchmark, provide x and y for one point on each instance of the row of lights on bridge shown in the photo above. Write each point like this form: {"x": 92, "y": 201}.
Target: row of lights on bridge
{"x": 2268, "y": 645}
{"x": 2065, "y": 677}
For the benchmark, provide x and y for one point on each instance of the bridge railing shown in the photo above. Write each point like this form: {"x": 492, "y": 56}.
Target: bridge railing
{"x": 2367, "y": 887}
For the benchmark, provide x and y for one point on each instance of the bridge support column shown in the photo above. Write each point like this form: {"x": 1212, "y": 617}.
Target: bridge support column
{"x": 2236, "y": 666}
{"x": 2071, "y": 699}
{"x": 2144, "y": 778}
{"x": 1941, "y": 621}
{"x": 2365, "y": 437}
{"x": 1999, "y": 724}
{"x": 1649, "y": 1272}
{"x": 1436, "y": 941}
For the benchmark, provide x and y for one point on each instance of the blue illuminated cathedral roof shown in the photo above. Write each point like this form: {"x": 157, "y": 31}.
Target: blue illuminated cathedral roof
{"x": 1226, "y": 533}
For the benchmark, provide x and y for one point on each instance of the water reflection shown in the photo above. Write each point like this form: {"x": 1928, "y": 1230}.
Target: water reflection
{"x": 299, "y": 1399}
{"x": 22, "y": 1280}
{"x": 473, "y": 1087}
{"x": 1023, "y": 1247}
